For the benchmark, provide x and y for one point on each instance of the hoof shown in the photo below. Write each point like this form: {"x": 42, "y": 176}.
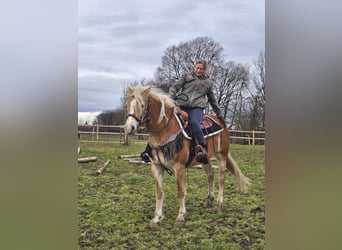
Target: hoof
{"x": 179, "y": 223}
{"x": 218, "y": 210}
{"x": 209, "y": 202}
{"x": 206, "y": 205}
{"x": 153, "y": 225}
{"x": 155, "y": 221}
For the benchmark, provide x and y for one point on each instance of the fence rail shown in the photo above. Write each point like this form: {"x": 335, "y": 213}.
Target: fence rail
{"x": 116, "y": 132}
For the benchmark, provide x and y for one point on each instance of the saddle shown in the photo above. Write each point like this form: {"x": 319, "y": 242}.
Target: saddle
{"x": 206, "y": 123}
{"x": 209, "y": 128}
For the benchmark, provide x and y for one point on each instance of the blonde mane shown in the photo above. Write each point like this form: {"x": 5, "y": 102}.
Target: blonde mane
{"x": 165, "y": 101}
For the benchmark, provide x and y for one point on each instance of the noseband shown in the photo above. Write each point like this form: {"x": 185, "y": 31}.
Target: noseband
{"x": 135, "y": 117}
{"x": 145, "y": 114}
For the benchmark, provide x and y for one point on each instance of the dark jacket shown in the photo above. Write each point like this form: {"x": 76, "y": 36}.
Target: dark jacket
{"x": 199, "y": 92}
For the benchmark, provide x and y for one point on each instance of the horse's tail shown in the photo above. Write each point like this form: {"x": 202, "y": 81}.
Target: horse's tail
{"x": 242, "y": 180}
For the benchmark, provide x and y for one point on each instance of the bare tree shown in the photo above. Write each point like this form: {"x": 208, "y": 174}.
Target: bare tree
{"x": 231, "y": 82}
{"x": 257, "y": 112}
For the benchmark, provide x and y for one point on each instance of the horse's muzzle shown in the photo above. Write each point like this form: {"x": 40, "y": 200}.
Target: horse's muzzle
{"x": 130, "y": 128}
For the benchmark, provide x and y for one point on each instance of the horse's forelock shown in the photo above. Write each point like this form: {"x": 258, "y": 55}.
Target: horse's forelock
{"x": 136, "y": 94}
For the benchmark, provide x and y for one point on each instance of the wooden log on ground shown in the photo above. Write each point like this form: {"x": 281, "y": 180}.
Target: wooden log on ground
{"x": 87, "y": 159}
{"x": 103, "y": 166}
{"x": 128, "y": 156}
{"x": 136, "y": 161}
{"x": 200, "y": 166}
{"x": 140, "y": 162}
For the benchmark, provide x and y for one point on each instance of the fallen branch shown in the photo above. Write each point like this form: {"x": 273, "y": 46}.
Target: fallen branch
{"x": 136, "y": 161}
{"x": 87, "y": 159}
{"x": 128, "y": 156}
{"x": 200, "y": 166}
{"x": 103, "y": 166}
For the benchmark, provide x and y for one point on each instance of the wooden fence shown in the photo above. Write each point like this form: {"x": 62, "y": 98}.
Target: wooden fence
{"x": 116, "y": 132}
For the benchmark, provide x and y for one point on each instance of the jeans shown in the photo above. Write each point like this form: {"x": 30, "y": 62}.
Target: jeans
{"x": 195, "y": 116}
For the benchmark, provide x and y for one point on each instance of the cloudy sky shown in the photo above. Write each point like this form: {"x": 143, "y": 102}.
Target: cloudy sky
{"x": 123, "y": 41}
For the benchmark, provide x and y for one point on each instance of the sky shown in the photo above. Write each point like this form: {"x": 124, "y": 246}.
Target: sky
{"x": 120, "y": 42}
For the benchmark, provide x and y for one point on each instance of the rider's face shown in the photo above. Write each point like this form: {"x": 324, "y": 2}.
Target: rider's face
{"x": 199, "y": 69}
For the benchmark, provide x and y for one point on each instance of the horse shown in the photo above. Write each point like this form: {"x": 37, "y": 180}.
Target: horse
{"x": 171, "y": 148}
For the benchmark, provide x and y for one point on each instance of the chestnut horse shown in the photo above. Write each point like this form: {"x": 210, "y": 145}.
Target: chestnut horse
{"x": 171, "y": 148}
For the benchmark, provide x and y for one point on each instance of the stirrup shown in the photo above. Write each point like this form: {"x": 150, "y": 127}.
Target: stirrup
{"x": 201, "y": 154}
{"x": 145, "y": 157}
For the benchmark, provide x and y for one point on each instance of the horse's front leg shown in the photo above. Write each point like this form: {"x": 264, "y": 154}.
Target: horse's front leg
{"x": 181, "y": 187}
{"x": 158, "y": 179}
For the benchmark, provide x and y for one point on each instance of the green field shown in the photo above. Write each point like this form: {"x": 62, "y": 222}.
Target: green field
{"x": 115, "y": 208}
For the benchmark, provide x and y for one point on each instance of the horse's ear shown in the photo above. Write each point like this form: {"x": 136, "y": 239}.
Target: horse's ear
{"x": 146, "y": 90}
{"x": 130, "y": 90}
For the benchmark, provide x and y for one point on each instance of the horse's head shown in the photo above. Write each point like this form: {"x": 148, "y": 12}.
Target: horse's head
{"x": 137, "y": 105}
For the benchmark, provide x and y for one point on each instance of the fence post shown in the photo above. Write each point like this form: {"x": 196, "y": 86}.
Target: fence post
{"x": 253, "y": 140}
{"x": 126, "y": 139}
{"x": 93, "y": 133}
{"x": 97, "y": 132}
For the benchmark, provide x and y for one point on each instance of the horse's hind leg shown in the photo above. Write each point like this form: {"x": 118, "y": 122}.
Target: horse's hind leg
{"x": 158, "y": 178}
{"x": 210, "y": 176}
{"x": 221, "y": 180}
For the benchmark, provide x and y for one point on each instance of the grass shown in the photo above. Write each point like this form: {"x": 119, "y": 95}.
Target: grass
{"x": 115, "y": 208}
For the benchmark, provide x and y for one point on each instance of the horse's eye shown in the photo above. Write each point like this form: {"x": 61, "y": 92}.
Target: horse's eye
{"x": 142, "y": 106}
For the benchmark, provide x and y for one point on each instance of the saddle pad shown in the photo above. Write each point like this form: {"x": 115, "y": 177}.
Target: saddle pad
{"x": 209, "y": 127}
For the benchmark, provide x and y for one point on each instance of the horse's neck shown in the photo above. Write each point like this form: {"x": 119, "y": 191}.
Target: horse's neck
{"x": 158, "y": 116}
{"x": 159, "y": 129}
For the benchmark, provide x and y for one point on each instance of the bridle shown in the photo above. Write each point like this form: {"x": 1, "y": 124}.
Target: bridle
{"x": 145, "y": 117}
{"x": 135, "y": 117}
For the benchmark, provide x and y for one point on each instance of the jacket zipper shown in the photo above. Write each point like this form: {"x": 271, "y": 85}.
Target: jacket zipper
{"x": 193, "y": 93}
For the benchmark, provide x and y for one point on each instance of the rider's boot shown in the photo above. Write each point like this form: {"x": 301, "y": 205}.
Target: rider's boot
{"x": 201, "y": 153}
{"x": 145, "y": 156}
